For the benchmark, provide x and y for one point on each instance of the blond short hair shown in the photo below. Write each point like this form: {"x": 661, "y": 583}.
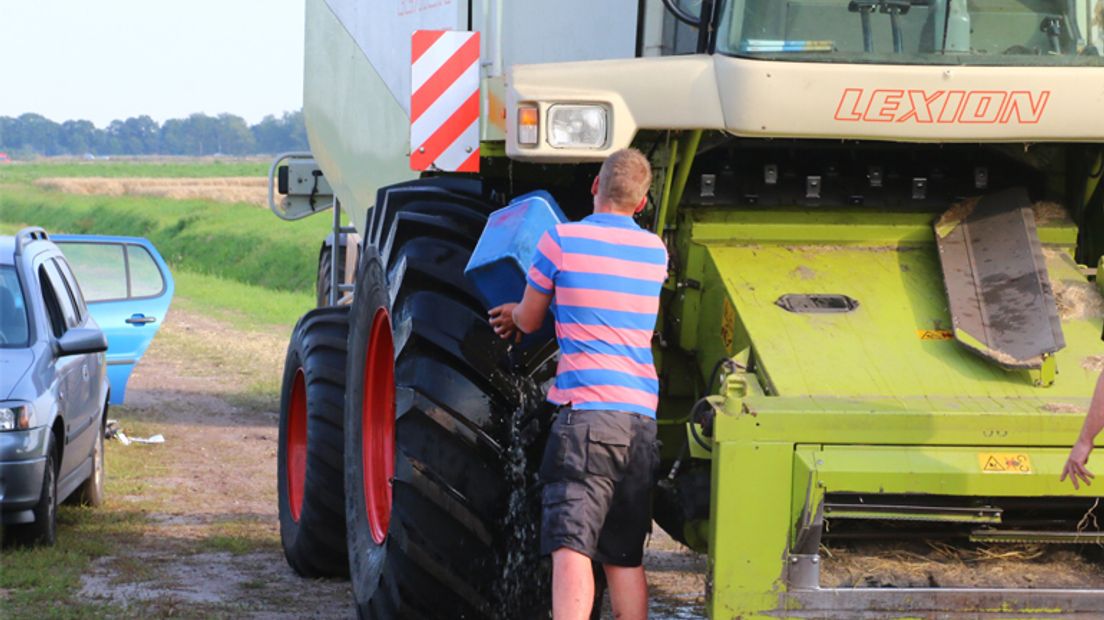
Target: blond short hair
{"x": 624, "y": 179}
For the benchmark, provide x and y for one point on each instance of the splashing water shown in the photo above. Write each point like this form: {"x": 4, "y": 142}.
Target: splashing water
{"x": 523, "y": 586}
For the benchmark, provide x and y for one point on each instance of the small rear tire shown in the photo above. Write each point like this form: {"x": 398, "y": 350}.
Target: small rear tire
{"x": 311, "y": 444}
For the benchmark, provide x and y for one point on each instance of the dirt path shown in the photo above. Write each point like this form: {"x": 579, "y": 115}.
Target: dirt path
{"x": 209, "y": 543}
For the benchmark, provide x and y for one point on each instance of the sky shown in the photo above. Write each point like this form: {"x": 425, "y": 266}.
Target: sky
{"x": 103, "y": 60}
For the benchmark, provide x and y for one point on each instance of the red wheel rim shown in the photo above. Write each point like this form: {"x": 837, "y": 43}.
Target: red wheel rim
{"x": 296, "y": 444}
{"x": 377, "y": 424}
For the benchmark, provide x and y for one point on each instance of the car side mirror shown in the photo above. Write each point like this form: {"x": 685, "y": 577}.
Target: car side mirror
{"x": 81, "y": 340}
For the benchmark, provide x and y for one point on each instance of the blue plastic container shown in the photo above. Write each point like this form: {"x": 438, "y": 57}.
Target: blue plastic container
{"x": 502, "y": 257}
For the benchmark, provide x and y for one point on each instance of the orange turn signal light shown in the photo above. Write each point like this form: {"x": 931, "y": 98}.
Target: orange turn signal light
{"x": 528, "y": 120}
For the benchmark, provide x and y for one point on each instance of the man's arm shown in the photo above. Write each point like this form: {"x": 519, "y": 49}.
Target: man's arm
{"x": 515, "y": 319}
{"x": 1079, "y": 455}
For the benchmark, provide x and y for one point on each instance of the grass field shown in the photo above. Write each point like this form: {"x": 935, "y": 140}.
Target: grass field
{"x": 23, "y": 172}
{"x": 233, "y": 260}
{"x": 233, "y": 241}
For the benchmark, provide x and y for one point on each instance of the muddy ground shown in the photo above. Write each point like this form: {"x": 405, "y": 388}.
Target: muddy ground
{"x": 209, "y": 540}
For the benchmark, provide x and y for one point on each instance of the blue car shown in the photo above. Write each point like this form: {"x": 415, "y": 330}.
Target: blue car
{"x": 128, "y": 288}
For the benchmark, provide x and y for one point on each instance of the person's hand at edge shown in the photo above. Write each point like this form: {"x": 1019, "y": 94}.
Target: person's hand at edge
{"x": 502, "y": 320}
{"x": 1075, "y": 464}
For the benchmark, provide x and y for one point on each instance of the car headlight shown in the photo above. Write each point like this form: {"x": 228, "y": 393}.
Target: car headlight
{"x": 15, "y": 417}
{"x": 577, "y": 126}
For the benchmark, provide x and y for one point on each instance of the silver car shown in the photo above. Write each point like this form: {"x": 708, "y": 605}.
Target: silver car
{"x": 53, "y": 390}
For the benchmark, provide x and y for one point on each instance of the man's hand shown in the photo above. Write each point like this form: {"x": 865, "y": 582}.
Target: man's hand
{"x": 1075, "y": 464}
{"x": 502, "y": 320}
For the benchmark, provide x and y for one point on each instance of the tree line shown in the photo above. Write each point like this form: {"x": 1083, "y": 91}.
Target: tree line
{"x": 199, "y": 134}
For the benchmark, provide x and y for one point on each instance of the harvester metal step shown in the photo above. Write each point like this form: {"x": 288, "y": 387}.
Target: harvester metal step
{"x": 904, "y": 512}
{"x": 1001, "y": 299}
{"x": 1018, "y": 536}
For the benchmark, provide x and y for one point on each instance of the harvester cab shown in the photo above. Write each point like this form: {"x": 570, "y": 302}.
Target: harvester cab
{"x": 877, "y": 341}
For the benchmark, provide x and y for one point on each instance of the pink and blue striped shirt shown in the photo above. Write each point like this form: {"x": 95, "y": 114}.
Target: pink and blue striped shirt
{"x": 605, "y": 273}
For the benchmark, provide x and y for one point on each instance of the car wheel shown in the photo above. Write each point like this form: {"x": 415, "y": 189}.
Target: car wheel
{"x": 43, "y": 531}
{"x": 91, "y": 493}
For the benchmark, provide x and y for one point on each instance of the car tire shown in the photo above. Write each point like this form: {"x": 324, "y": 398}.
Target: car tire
{"x": 311, "y": 440}
{"x": 91, "y": 492}
{"x": 440, "y": 517}
{"x": 43, "y": 531}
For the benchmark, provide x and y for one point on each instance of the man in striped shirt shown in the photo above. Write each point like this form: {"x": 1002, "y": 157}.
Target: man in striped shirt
{"x": 604, "y": 274}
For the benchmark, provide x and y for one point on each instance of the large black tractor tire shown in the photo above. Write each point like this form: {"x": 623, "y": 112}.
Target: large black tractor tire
{"x": 43, "y": 530}
{"x": 310, "y": 455}
{"x": 449, "y": 531}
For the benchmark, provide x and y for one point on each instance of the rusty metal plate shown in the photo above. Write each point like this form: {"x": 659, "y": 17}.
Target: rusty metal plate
{"x": 1001, "y": 300}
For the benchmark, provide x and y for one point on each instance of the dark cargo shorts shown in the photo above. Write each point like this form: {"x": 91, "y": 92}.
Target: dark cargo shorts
{"x": 598, "y": 471}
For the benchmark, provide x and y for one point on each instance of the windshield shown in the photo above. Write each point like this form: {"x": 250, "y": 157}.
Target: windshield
{"x": 13, "y": 312}
{"x": 966, "y": 32}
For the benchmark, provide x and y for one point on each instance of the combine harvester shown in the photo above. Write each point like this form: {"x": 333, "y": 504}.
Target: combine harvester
{"x": 877, "y": 343}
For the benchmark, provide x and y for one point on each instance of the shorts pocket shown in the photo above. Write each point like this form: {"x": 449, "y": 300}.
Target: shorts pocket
{"x": 565, "y": 455}
{"x": 564, "y": 517}
{"x": 607, "y": 453}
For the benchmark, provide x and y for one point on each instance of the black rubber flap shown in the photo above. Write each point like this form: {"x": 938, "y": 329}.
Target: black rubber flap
{"x": 1001, "y": 300}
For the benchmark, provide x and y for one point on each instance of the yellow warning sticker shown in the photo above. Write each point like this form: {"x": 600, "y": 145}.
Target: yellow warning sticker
{"x": 1004, "y": 463}
{"x": 935, "y": 334}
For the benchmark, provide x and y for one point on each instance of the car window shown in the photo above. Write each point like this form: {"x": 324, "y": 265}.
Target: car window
{"x": 100, "y": 267}
{"x": 52, "y": 301}
{"x": 145, "y": 277}
{"x": 14, "y": 327}
{"x": 74, "y": 288}
{"x": 64, "y": 297}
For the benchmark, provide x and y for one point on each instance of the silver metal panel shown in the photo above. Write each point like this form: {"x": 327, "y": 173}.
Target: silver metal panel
{"x": 1001, "y": 300}
{"x": 538, "y": 31}
{"x": 382, "y": 30}
{"x": 942, "y": 603}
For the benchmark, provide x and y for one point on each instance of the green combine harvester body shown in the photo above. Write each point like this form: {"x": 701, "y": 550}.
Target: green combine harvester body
{"x": 882, "y": 321}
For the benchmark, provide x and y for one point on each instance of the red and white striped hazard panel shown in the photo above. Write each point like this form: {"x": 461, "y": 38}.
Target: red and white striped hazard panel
{"x": 444, "y": 101}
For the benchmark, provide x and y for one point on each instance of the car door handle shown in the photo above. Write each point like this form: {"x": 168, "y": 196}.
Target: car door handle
{"x": 140, "y": 319}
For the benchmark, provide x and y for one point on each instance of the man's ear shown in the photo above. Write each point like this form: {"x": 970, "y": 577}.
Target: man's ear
{"x": 594, "y": 187}
{"x": 640, "y": 206}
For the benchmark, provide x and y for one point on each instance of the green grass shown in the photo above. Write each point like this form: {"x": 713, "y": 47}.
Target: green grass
{"x": 42, "y": 582}
{"x": 241, "y": 243}
{"x": 20, "y": 172}
{"x": 245, "y": 306}
{"x": 241, "y": 536}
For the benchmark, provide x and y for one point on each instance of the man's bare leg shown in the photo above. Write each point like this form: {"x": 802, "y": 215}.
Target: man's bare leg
{"x": 628, "y": 590}
{"x": 572, "y": 585}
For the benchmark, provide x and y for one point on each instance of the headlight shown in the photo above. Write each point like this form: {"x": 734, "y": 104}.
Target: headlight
{"x": 15, "y": 417}
{"x": 577, "y": 126}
